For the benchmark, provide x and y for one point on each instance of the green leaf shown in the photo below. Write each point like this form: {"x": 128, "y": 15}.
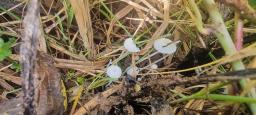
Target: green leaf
{"x": 69, "y": 11}
{"x": 252, "y": 3}
{"x": 236, "y": 99}
{"x": 80, "y": 80}
{"x": 16, "y": 66}
{"x": 5, "y": 48}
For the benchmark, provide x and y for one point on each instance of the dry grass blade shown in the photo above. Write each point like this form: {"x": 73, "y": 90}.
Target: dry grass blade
{"x": 229, "y": 76}
{"x": 82, "y": 13}
{"x": 14, "y": 79}
{"x": 82, "y": 66}
{"x": 246, "y": 52}
{"x": 150, "y": 6}
{"x": 95, "y": 101}
{"x": 138, "y": 6}
{"x": 160, "y": 30}
{"x": 6, "y": 85}
{"x": 123, "y": 12}
{"x": 14, "y": 7}
{"x": 54, "y": 45}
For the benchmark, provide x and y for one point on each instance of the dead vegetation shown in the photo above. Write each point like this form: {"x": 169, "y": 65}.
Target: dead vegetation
{"x": 55, "y": 56}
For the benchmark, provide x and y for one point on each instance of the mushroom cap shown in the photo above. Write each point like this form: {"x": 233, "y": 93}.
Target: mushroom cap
{"x": 130, "y": 45}
{"x": 133, "y": 71}
{"x": 114, "y": 71}
{"x": 165, "y": 46}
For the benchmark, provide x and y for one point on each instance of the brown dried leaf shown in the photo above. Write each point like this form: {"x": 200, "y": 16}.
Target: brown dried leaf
{"x": 48, "y": 96}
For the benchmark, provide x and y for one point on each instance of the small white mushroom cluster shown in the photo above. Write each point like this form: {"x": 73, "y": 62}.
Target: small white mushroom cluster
{"x": 162, "y": 45}
{"x": 114, "y": 71}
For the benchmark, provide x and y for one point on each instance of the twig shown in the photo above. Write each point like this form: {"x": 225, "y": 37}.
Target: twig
{"x": 28, "y": 52}
{"x": 229, "y": 76}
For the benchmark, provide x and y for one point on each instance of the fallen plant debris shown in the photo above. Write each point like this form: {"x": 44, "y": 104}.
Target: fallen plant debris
{"x": 229, "y": 76}
{"x": 28, "y": 52}
{"x": 166, "y": 81}
{"x": 160, "y": 57}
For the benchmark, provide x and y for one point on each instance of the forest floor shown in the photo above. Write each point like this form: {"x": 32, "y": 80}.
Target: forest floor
{"x": 159, "y": 57}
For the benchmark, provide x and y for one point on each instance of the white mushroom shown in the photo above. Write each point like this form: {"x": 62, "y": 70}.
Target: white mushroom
{"x": 133, "y": 71}
{"x": 154, "y": 66}
{"x": 114, "y": 71}
{"x": 165, "y": 46}
{"x": 130, "y": 45}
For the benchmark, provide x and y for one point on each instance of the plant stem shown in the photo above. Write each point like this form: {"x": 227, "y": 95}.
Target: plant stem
{"x": 236, "y": 99}
{"x": 227, "y": 44}
{"x": 202, "y": 92}
{"x": 197, "y": 18}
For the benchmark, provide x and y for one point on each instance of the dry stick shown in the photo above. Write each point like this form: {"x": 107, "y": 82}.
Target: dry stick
{"x": 28, "y": 52}
{"x": 227, "y": 44}
{"x": 229, "y": 76}
{"x": 96, "y": 100}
